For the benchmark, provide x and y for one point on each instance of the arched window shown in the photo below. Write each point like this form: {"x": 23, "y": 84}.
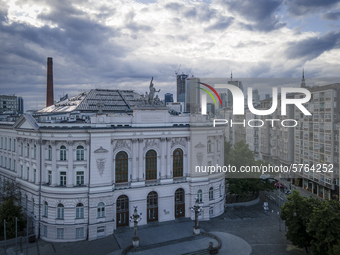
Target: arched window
{"x": 80, "y": 211}
{"x": 46, "y": 209}
{"x": 101, "y": 210}
{"x": 152, "y": 206}
{"x": 211, "y": 193}
{"x": 60, "y": 211}
{"x": 178, "y": 163}
{"x": 122, "y": 167}
{"x": 151, "y": 165}
{"x": 179, "y": 203}
{"x": 49, "y": 155}
{"x": 80, "y": 152}
{"x": 62, "y": 152}
{"x": 200, "y": 196}
{"x": 122, "y": 211}
{"x": 27, "y": 150}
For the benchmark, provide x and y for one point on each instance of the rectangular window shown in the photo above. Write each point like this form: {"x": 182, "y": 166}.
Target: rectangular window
{"x": 10, "y": 164}
{"x": 14, "y": 144}
{"x": 34, "y": 175}
{"x": 80, "y": 178}
{"x": 62, "y": 178}
{"x": 21, "y": 150}
{"x": 2, "y": 142}
{"x": 79, "y": 212}
{"x": 49, "y": 177}
{"x": 60, "y": 214}
{"x": 10, "y": 144}
{"x": 14, "y": 165}
{"x": 5, "y": 143}
{"x": 21, "y": 170}
{"x": 45, "y": 231}
{"x": 79, "y": 233}
{"x": 34, "y": 151}
{"x": 1, "y": 161}
{"x": 5, "y": 162}
{"x": 60, "y": 233}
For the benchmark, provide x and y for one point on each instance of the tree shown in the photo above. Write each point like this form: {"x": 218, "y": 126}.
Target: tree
{"x": 324, "y": 226}
{"x": 242, "y": 184}
{"x": 296, "y": 212}
{"x": 10, "y": 190}
{"x": 8, "y": 212}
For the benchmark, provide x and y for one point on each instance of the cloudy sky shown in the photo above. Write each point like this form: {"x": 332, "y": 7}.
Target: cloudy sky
{"x": 122, "y": 44}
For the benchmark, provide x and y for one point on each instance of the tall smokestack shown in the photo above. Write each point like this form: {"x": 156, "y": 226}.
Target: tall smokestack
{"x": 49, "y": 91}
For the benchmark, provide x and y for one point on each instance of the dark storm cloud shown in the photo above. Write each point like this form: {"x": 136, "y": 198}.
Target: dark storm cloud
{"x": 301, "y": 7}
{"x": 222, "y": 24}
{"x": 331, "y": 16}
{"x": 260, "y": 13}
{"x": 311, "y": 48}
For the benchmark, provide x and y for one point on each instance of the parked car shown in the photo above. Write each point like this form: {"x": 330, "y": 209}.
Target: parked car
{"x": 280, "y": 185}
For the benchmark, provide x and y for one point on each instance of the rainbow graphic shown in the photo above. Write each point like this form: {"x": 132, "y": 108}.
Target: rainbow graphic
{"x": 209, "y": 93}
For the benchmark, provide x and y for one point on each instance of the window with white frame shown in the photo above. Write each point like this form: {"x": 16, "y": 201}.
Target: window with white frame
{"x": 49, "y": 177}
{"x": 101, "y": 210}
{"x": 209, "y": 148}
{"x": 200, "y": 196}
{"x": 45, "y": 231}
{"x": 80, "y": 211}
{"x": 28, "y": 173}
{"x": 49, "y": 152}
{"x": 60, "y": 211}
{"x": 27, "y": 150}
{"x": 80, "y": 152}
{"x": 79, "y": 233}
{"x": 62, "y": 152}
{"x": 46, "y": 209}
{"x": 60, "y": 233}
{"x": 80, "y": 178}
{"x": 62, "y": 178}
{"x": 211, "y": 193}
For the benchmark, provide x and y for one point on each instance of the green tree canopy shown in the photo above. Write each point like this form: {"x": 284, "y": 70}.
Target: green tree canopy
{"x": 8, "y": 212}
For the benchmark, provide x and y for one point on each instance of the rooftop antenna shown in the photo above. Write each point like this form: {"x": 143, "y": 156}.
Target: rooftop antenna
{"x": 189, "y": 71}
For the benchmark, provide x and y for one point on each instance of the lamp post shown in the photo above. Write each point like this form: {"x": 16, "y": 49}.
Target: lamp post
{"x": 135, "y": 218}
{"x": 196, "y": 209}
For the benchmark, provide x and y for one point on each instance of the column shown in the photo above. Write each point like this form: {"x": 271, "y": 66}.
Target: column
{"x": 163, "y": 158}
{"x": 168, "y": 158}
{"x": 54, "y": 164}
{"x": 134, "y": 162}
{"x": 70, "y": 157}
{"x": 140, "y": 170}
{"x": 186, "y": 158}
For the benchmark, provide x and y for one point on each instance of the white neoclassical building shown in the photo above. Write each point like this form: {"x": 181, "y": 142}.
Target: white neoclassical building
{"x": 84, "y": 164}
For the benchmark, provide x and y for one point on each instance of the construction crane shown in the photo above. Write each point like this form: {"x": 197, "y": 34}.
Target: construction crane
{"x": 176, "y": 72}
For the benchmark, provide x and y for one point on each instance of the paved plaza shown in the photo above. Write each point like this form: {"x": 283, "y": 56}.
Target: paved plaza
{"x": 242, "y": 231}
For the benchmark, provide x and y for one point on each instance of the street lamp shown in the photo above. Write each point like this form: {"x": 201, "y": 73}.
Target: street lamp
{"x": 135, "y": 218}
{"x": 196, "y": 209}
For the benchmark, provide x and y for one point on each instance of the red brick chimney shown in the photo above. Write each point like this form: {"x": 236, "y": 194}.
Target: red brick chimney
{"x": 49, "y": 91}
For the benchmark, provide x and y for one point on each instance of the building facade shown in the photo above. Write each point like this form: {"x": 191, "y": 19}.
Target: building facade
{"x": 80, "y": 178}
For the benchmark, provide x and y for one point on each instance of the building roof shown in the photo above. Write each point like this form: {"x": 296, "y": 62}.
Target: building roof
{"x": 89, "y": 101}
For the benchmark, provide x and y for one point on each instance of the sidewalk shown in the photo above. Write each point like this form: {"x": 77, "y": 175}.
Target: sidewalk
{"x": 303, "y": 192}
